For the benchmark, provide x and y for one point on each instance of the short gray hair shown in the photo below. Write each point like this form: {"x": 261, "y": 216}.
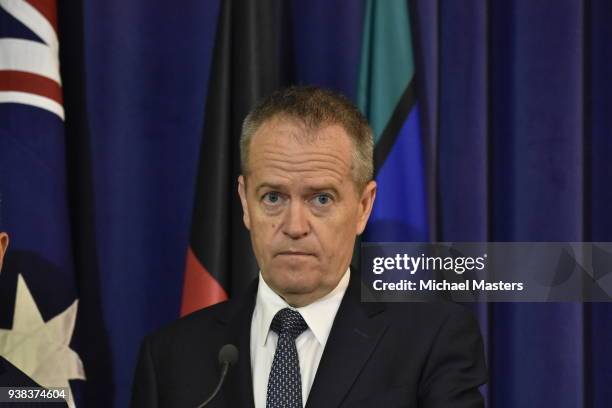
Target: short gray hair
{"x": 315, "y": 108}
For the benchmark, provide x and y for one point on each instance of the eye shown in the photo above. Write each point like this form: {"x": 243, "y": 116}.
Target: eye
{"x": 271, "y": 197}
{"x": 322, "y": 200}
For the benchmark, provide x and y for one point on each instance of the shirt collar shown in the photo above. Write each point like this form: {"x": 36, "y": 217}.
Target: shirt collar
{"x": 319, "y": 315}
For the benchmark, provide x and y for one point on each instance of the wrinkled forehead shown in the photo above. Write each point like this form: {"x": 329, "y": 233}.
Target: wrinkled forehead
{"x": 300, "y": 130}
{"x": 290, "y": 148}
{"x": 288, "y": 140}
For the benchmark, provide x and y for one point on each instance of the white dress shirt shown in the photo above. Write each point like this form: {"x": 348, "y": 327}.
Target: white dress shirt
{"x": 319, "y": 316}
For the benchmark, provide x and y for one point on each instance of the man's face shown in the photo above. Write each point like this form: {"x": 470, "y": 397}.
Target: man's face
{"x": 302, "y": 207}
{"x": 3, "y": 244}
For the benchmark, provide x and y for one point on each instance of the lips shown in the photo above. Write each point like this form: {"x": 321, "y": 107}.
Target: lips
{"x": 294, "y": 253}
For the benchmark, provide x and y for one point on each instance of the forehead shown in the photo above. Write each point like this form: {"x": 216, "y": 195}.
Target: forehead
{"x": 287, "y": 151}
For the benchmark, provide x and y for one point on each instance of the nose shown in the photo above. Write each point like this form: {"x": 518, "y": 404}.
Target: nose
{"x": 296, "y": 223}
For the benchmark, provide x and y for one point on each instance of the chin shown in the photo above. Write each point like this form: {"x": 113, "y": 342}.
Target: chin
{"x": 293, "y": 280}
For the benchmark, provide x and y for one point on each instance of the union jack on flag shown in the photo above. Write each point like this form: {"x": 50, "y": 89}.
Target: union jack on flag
{"x": 29, "y": 64}
{"x": 38, "y": 291}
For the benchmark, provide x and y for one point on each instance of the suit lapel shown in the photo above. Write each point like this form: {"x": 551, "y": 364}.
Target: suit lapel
{"x": 357, "y": 330}
{"x": 355, "y": 334}
{"x": 239, "y": 382}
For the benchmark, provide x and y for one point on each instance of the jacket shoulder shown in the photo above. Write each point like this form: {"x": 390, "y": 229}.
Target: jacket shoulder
{"x": 204, "y": 322}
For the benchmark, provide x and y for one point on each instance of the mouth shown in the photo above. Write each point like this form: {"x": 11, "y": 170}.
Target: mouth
{"x": 294, "y": 253}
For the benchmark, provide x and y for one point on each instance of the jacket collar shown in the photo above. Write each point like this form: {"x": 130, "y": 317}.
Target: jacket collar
{"x": 237, "y": 317}
{"x": 357, "y": 329}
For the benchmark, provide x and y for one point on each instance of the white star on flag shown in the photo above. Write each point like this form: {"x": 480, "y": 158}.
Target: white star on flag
{"x": 41, "y": 349}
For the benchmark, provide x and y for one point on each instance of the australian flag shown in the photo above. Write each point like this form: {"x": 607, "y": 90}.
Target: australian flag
{"x": 38, "y": 291}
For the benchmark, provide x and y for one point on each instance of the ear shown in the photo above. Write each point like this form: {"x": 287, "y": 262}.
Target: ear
{"x": 366, "y": 202}
{"x": 243, "y": 201}
{"x": 4, "y": 241}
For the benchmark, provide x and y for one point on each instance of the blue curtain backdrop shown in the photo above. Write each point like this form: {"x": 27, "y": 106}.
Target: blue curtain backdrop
{"x": 517, "y": 128}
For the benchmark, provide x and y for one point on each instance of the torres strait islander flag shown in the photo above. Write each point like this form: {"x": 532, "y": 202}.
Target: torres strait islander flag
{"x": 248, "y": 64}
{"x": 386, "y": 95}
{"x": 38, "y": 293}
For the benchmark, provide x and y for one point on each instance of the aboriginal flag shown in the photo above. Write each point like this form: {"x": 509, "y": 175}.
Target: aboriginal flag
{"x": 250, "y": 60}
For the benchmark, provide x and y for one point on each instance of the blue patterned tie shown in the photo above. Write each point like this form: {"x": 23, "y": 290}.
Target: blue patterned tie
{"x": 285, "y": 381}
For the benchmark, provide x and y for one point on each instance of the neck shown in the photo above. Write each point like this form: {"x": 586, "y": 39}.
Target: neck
{"x": 298, "y": 300}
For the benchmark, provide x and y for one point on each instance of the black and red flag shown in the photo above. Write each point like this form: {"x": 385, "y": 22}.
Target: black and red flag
{"x": 251, "y": 59}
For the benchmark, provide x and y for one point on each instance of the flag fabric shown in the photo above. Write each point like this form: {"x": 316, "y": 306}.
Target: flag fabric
{"x": 250, "y": 60}
{"x": 386, "y": 95}
{"x": 38, "y": 292}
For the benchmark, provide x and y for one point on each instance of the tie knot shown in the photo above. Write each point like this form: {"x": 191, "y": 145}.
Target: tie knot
{"x": 288, "y": 321}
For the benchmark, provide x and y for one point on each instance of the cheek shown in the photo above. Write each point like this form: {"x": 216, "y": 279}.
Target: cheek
{"x": 345, "y": 222}
{"x": 266, "y": 225}
{"x": 337, "y": 233}
{"x": 263, "y": 232}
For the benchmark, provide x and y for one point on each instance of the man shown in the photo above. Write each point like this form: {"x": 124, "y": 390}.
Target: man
{"x": 304, "y": 337}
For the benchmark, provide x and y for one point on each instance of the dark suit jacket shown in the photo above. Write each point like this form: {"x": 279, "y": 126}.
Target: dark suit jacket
{"x": 377, "y": 355}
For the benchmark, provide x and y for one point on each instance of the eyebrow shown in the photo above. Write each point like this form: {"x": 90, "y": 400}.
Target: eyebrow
{"x": 279, "y": 187}
{"x": 267, "y": 185}
{"x": 324, "y": 188}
